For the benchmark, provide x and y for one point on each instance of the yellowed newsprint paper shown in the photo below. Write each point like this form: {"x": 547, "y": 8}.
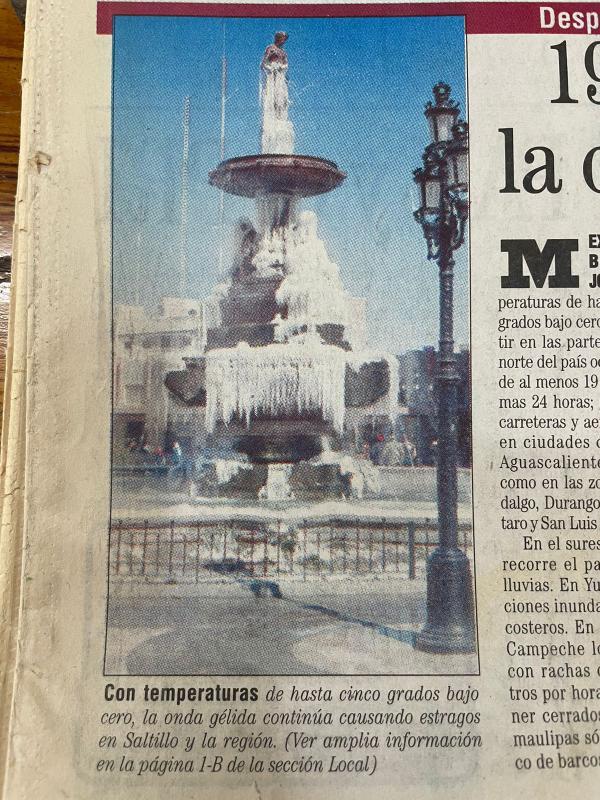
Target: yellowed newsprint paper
{"x": 301, "y": 451}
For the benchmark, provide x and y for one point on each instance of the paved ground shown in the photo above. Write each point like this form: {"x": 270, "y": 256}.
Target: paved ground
{"x": 318, "y": 627}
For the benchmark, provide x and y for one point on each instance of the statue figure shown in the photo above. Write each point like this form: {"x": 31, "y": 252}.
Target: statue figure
{"x": 277, "y": 130}
{"x": 275, "y": 56}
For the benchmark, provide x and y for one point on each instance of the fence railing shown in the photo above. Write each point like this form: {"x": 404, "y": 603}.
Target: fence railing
{"x": 201, "y": 551}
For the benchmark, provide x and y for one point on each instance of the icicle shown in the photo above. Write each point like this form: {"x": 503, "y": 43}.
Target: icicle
{"x": 226, "y": 470}
{"x": 277, "y": 486}
{"x": 278, "y": 379}
{"x": 277, "y": 130}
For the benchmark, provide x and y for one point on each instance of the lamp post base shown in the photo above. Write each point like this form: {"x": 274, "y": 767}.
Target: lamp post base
{"x": 450, "y": 624}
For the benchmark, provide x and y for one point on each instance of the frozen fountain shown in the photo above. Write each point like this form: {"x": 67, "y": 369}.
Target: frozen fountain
{"x": 285, "y": 370}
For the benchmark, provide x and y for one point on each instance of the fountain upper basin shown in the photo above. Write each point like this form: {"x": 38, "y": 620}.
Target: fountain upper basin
{"x": 300, "y": 176}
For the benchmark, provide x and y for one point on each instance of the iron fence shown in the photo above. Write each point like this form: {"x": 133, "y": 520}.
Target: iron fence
{"x": 200, "y": 551}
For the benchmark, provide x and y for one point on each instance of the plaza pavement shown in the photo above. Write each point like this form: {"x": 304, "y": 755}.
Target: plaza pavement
{"x": 356, "y": 626}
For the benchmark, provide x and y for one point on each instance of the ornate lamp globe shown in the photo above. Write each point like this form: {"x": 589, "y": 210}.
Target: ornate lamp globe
{"x": 429, "y": 181}
{"x": 441, "y": 114}
{"x": 458, "y": 157}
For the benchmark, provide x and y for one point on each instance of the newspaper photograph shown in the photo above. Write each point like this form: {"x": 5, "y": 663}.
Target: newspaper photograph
{"x": 274, "y": 461}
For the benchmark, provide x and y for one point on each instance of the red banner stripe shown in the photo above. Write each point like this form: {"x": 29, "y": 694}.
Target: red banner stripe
{"x": 479, "y": 17}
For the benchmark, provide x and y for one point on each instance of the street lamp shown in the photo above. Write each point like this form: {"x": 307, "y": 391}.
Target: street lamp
{"x": 444, "y": 184}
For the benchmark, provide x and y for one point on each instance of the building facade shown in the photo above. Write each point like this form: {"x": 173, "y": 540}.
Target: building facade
{"x": 147, "y": 345}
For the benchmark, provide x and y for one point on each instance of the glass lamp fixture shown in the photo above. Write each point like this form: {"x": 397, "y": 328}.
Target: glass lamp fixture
{"x": 457, "y": 155}
{"x": 441, "y": 114}
{"x": 429, "y": 181}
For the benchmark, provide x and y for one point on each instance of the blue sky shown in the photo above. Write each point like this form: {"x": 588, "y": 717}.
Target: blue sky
{"x": 357, "y": 91}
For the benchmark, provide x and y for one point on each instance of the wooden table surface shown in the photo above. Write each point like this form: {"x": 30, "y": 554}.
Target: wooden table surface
{"x": 11, "y": 52}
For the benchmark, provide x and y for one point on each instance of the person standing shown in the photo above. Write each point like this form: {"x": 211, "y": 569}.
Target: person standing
{"x": 176, "y": 454}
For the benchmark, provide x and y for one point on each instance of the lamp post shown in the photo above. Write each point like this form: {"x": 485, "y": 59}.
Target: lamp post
{"x": 444, "y": 185}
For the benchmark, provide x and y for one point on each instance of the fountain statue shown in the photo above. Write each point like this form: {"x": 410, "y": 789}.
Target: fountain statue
{"x": 285, "y": 370}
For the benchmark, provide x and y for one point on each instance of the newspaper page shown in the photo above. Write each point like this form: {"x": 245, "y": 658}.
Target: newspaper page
{"x": 301, "y": 459}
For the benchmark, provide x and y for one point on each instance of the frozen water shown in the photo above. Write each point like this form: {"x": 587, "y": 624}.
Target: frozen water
{"x": 277, "y": 130}
{"x": 299, "y": 372}
{"x": 275, "y": 211}
{"x": 271, "y": 256}
{"x": 212, "y": 306}
{"x": 227, "y": 469}
{"x": 311, "y": 292}
{"x": 277, "y": 486}
{"x": 275, "y": 380}
{"x": 312, "y": 289}
{"x": 362, "y": 474}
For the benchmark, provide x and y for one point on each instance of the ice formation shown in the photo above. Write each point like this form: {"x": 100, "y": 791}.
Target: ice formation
{"x": 227, "y": 469}
{"x": 298, "y": 372}
{"x": 277, "y": 486}
{"x": 366, "y": 476}
{"x": 312, "y": 289}
{"x": 277, "y": 130}
{"x": 212, "y": 307}
{"x": 311, "y": 292}
{"x": 276, "y": 380}
{"x": 275, "y": 211}
{"x": 362, "y": 474}
{"x": 271, "y": 255}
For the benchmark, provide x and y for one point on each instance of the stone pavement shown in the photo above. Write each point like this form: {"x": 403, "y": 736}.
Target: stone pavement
{"x": 358, "y": 626}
